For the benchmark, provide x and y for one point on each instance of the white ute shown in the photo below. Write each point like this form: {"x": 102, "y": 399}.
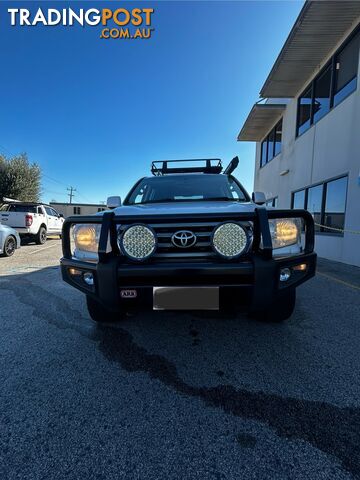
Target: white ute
{"x": 34, "y": 220}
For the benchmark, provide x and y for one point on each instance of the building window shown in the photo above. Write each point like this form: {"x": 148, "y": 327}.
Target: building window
{"x": 77, "y": 210}
{"x": 314, "y": 204}
{"x": 271, "y": 145}
{"x": 298, "y": 199}
{"x": 334, "y": 83}
{"x": 278, "y": 134}
{"x": 272, "y": 202}
{"x": 304, "y": 111}
{"x": 263, "y": 152}
{"x": 322, "y": 94}
{"x": 101, "y": 209}
{"x": 335, "y": 203}
{"x": 346, "y": 68}
{"x": 326, "y": 202}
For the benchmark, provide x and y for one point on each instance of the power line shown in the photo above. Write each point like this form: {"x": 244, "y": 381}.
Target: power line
{"x": 71, "y": 189}
{"x": 83, "y": 196}
{"x": 54, "y": 180}
{"x": 52, "y": 191}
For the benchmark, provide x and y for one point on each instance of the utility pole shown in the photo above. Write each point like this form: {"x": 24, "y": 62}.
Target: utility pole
{"x": 71, "y": 194}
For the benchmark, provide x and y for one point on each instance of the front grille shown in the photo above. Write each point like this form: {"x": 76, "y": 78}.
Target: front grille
{"x": 202, "y": 249}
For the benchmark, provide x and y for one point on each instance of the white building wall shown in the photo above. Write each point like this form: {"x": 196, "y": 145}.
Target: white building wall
{"x": 330, "y": 148}
{"x": 67, "y": 209}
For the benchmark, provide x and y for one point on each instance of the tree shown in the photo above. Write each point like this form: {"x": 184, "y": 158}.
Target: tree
{"x": 19, "y": 179}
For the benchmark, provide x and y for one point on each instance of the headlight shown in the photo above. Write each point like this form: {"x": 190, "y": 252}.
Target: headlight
{"x": 285, "y": 232}
{"x": 230, "y": 240}
{"x": 138, "y": 242}
{"x": 86, "y": 237}
{"x": 86, "y": 242}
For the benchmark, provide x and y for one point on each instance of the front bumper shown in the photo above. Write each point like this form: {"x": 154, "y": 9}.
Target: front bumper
{"x": 251, "y": 284}
{"x": 254, "y": 282}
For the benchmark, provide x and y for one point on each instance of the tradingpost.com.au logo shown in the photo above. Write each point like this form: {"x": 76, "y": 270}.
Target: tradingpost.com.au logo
{"x": 115, "y": 24}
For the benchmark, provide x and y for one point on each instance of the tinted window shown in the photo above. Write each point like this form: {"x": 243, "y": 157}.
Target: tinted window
{"x": 190, "y": 187}
{"x": 48, "y": 211}
{"x": 346, "y": 63}
{"x": 278, "y": 134}
{"x": 22, "y": 208}
{"x": 299, "y": 199}
{"x": 271, "y": 140}
{"x": 314, "y": 202}
{"x": 322, "y": 94}
{"x": 335, "y": 203}
{"x": 54, "y": 213}
{"x": 304, "y": 112}
{"x": 271, "y": 145}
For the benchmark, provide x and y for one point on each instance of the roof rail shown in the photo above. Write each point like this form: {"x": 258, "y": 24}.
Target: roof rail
{"x": 210, "y": 165}
{"x": 232, "y": 165}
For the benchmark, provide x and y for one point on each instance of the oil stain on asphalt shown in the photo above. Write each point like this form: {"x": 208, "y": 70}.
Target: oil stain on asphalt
{"x": 331, "y": 429}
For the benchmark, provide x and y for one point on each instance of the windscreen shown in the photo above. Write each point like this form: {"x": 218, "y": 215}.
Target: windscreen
{"x": 182, "y": 188}
{"x": 22, "y": 208}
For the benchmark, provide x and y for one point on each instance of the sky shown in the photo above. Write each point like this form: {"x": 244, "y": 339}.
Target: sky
{"x": 95, "y": 113}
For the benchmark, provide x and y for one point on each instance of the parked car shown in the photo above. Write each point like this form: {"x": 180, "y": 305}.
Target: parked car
{"x": 189, "y": 238}
{"x": 32, "y": 220}
{"x": 9, "y": 240}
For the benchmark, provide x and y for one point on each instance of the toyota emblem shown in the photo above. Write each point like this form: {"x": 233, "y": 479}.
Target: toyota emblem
{"x": 183, "y": 239}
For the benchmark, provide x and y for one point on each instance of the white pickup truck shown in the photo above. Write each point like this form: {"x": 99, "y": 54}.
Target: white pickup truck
{"x": 34, "y": 220}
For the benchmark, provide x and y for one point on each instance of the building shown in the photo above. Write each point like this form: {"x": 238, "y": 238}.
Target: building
{"x": 68, "y": 209}
{"x": 307, "y": 127}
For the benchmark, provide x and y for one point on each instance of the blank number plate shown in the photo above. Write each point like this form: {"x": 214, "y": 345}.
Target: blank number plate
{"x": 186, "y": 298}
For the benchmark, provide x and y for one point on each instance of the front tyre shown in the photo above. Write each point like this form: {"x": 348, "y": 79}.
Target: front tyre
{"x": 40, "y": 237}
{"x": 9, "y": 247}
{"x": 99, "y": 313}
{"x": 281, "y": 309}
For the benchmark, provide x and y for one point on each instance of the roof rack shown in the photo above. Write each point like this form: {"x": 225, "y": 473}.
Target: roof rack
{"x": 161, "y": 167}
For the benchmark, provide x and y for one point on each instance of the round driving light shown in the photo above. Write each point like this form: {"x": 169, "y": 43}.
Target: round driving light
{"x": 138, "y": 242}
{"x": 88, "y": 278}
{"x": 285, "y": 274}
{"x": 230, "y": 240}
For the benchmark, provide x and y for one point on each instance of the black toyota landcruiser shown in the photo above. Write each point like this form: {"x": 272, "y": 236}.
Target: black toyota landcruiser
{"x": 189, "y": 238}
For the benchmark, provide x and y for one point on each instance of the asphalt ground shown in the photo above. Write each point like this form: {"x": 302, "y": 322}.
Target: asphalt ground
{"x": 176, "y": 396}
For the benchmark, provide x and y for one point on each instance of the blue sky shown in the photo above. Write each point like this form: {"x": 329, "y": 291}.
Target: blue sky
{"x": 94, "y": 113}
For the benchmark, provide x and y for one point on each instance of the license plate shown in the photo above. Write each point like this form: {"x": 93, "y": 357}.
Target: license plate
{"x": 186, "y": 298}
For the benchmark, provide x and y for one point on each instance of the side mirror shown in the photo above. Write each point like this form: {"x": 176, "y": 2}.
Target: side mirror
{"x": 113, "y": 202}
{"x": 61, "y": 215}
{"x": 259, "y": 198}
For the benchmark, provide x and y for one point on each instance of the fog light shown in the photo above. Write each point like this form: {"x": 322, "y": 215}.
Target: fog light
{"x": 88, "y": 278}
{"x": 74, "y": 271}
{"x": 300, "y": 268}
{"x": 285, "y": 274}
